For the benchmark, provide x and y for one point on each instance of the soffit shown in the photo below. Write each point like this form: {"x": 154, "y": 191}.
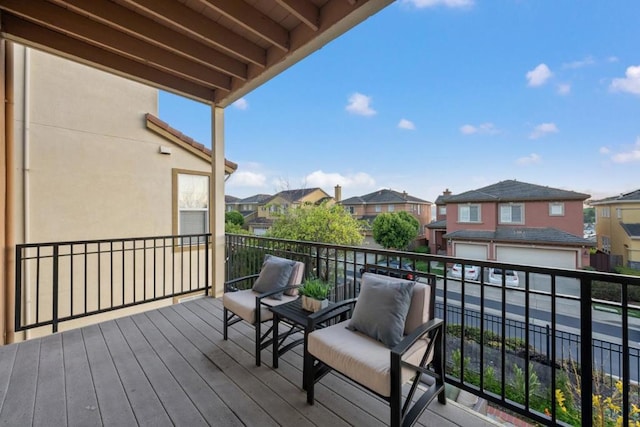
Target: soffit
{"x": 213, "y": 51}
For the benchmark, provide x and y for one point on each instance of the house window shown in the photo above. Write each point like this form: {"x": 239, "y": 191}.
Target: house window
{"x": 191, "y": 191}
{"x": 556, "y": 209}
{"x": 606, "y": 244}
{"x": 443, "y": 210}
{"x": 391, "y": 208}
{"x": 469, "y": 213}
{"x": 605, "y": 212}
{"x": 512, "y": 213}
{"x": 418, "y": 208}
{"x": 350, "y": 209}
{"x": 378, "y": 208}
{"x": 618, "y": 213}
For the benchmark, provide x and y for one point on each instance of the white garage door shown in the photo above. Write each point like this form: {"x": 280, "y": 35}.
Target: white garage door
{"x": 537, "y": 256}
{"x": 470, "y": 251}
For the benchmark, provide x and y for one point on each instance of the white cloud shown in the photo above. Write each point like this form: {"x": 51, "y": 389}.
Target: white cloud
{"x": 604, "y": 150}
{"x": 543, "y": 129}
{"x": 630, "y": 83}
{"x": 579, "y": 64}
{"x": 539, "y": 75}
{"x": 483, "y": 129}
{"x": 247, "y": 179}
{"x": 612, "y": 59}
{"x": 329, "y": 180}
{"x": 632, "y": 155}
{"x": 241, "y": 104}
{"x": 421, "y": 4}
{"x": 531, "y": 159}
{"x": 360, "y": 104}
{"x": 406, "y": 124}
{"x": 564, "y": 89}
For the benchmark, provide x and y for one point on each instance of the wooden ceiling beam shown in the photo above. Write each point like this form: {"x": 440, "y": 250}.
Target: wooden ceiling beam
{"x": 304, "y": 10}
{"x": 198, "y": 26}
{"x": 64, "y": 21}
{"x": 124, "y": 20}
{"x": 252, "y": 20}
{"x": 31, "y": 34}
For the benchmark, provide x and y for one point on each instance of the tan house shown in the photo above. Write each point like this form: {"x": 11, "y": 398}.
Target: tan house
{"x": 269, "y": 209}
{"x": 618, "y": 228}
{"x": 370, "y": 205}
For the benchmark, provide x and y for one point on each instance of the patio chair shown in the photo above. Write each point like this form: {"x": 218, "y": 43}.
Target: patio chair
{"x": 391, "y": 338}
{"x": 276, "y": 284}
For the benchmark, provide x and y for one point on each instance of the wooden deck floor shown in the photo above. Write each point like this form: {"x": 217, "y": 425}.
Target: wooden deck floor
{"x": 171, "y": 367}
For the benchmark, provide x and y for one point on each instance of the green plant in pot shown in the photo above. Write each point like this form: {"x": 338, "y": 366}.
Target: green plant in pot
{"x": 314, "y": 293}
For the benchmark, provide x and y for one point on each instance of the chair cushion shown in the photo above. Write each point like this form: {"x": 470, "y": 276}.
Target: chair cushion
{"x": 296, "y": 278}
{"x": 243, "y": 304}
{"x": 418, "y": 313}
{"x": 381, "y": 309}
{"x": 274, "y": 274}
{"x": 361, "y": 358}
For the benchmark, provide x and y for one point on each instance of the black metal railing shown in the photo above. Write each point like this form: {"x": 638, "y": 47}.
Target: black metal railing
{"x": 545, "y": 349}
{"x": 62, "y": 281}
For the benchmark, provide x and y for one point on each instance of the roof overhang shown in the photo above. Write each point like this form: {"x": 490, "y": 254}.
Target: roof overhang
{"x": 213, "y": 51}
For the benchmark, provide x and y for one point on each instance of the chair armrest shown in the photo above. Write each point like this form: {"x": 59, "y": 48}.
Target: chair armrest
{"x": 275, "y": 291}
{"x": 329, "y": 313}
{"x": 424, "y": 329}
{"x": 228, "y": 286}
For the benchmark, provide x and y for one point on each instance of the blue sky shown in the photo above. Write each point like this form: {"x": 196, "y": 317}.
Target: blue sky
{"x": 435, "y": 94}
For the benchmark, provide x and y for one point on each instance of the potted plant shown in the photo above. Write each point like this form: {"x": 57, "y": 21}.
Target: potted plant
{"x": 314, "y": 293}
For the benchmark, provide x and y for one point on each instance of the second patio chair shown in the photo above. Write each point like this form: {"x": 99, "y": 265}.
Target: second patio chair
{"x": 248, "y": 298}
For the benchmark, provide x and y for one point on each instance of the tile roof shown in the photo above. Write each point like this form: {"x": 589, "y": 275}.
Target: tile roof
{"x": 256, "y": 198}
{"x": 632, "y": 196}
{"x": 632, "y": 230}
{"x": 155, "y": 124}
{"x": 230, "y": 199}
{"x": 383, "y": 196}
{"x": 438, "y": 224}
{"x": 528, "y": 235}
{"x": 295, "y": 195}
{"x": 515, "y": 191}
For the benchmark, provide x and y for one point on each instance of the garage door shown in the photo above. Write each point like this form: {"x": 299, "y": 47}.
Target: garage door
{"x": 470, "y": 251}
{"x": 537, "y": 256}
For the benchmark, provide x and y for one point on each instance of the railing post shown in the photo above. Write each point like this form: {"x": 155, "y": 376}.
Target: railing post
{"x": 208, "y": 285}
{"x": 55, "y": 278}
{"x": 18, "y": 293}
{"x": 586, "y": 356}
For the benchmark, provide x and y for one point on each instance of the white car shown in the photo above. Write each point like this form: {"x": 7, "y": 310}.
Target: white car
{"x": 471, "y": 272}
{"x": 510, "y": 277}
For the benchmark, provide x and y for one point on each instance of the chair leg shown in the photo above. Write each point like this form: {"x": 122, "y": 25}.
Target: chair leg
{"x": 225, "y": 324}
{"x": 395, "y": 400}
{"x": 258, "y": 333}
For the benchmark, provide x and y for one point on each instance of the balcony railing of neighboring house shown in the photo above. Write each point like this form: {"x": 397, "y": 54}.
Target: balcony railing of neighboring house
{"x": 63, "y": 281}
{"x": 546, "y": 349}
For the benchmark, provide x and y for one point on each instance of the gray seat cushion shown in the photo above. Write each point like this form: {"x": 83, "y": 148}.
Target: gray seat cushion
{"x": 243, "y": 304}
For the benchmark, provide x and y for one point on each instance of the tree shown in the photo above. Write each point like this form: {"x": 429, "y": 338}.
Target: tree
{"x": 589, "y": 215}
{"x": 395, "y": 230}
{"x": 318, "y": 223}
{"x": 234, "y": 217}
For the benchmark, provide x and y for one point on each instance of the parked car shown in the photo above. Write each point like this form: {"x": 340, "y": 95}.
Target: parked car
{"x": 382, "y": 267}
{"x": 471, "y": 272}
{"x": 511, "y": 277}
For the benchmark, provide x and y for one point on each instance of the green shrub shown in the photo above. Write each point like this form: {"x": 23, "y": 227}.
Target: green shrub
{"x": 315, "y": 288}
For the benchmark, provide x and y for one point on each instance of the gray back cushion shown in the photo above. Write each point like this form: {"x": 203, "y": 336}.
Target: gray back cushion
{"x": 382, "y": 307}
{"x": 274, "y": 274}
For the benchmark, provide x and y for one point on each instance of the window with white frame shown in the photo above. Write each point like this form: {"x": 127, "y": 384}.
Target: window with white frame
{"x": 605, "y": 212}
{"x": 469, "y": 213}
{"x": 556, "y": 209}
{"x": 512, "y": 213}
{"x": 618, "y": 213}
{"x": 192, "y": 205}
{"x": 351, "y": 210}
{"x": 606, "y": 244}
{"x": 443, "y": 210}
{"x": 378, "y": 208}
{"x": 391, "y": 208}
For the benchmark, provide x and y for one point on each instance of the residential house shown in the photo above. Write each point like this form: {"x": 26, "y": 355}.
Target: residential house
{"x": 230, "y": 203}
{"x": 249, "y": 206}
{"x": 517, "y": 222}
{"x": 269, "y": 209}
{"x": 618, "y": 228}
{"x": 438, "y": 227}
{"x": 369, "y": 206}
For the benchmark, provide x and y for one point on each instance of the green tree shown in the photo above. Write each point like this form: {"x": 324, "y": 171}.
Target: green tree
{"x": 589, "y": 215}
{"x": 318, "y": 223}
{"x": 234, "y": 217}
{"x": 230, "y": 227}
{"x": 395, "y": 230}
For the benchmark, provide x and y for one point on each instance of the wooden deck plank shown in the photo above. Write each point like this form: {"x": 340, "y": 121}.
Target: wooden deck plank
{"x": 112, "y": 400}
{"x": 50, "y": 407}
{"x": 145, "y": 404}
{"x": 256, "y": 381}
{"x": 177, "y": 404}
{"x": 17, "y": 409}
{"x": 195, "y": 348}
{"x": 82, "y": 403}
{"x": 161, "y": 336}
{"x": 7, "y": 360}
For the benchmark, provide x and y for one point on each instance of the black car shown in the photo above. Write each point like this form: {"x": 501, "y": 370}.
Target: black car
{"x": 389, "y": 269}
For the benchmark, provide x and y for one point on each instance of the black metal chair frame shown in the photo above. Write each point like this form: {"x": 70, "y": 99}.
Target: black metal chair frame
{"x": 403, "y": 413}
